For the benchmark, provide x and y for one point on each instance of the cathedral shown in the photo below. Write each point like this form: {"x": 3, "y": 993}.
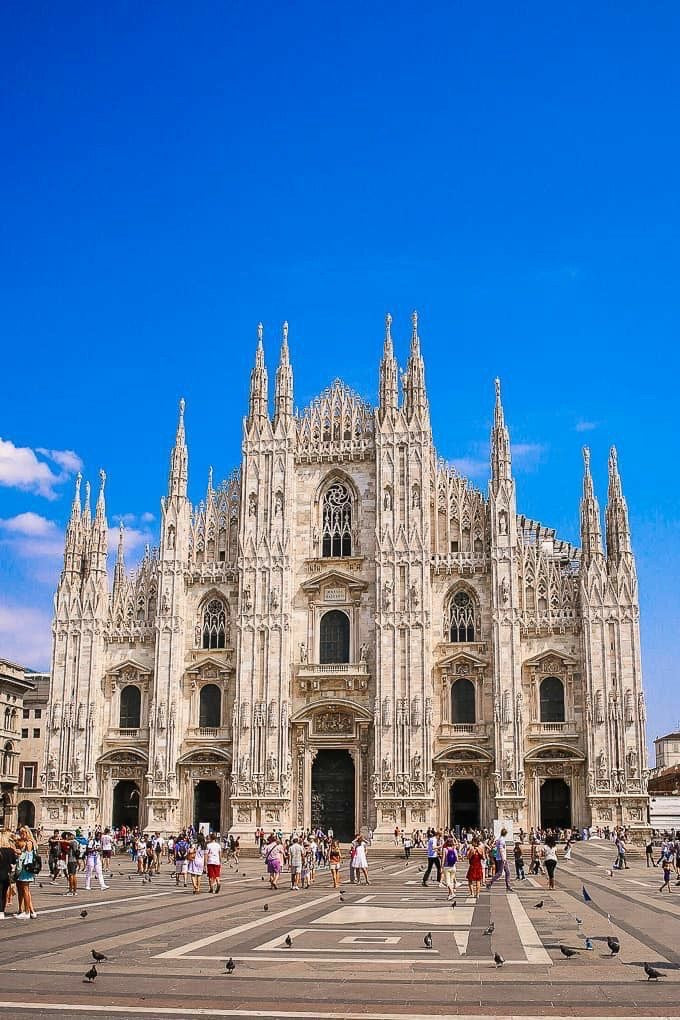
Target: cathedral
{"x": 347, "y": 633}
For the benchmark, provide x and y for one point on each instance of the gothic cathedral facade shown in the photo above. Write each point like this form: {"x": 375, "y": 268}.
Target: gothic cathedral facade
{"x": 348, "y": 633}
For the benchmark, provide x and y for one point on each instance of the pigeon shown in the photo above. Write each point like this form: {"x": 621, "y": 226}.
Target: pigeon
{"x": 589, "y": 944}
{"x": 262, "y": 878}
{"x": 489, "y": 930}
{"x": 453, "y": 905}
{"x": 613, "y": 944}
{"x": 610, "y": 873}
{"x": 266, "y": 907}
{"x": 539, "y": 904}
{"x": 83, "y": 913}
{"x": 652, "y": 973}
{"x": 566, "y": 951}
{"x": 587, "y": 898}
{"x": 427, "y": 941}
{"x": 91, "y": 974}
{"x": 498, "y": 959}
{"x": 579, "y": 921}
{"x": 231, "y": 966}
{"x": 342, "y": 898}
{"x": 288, "y": 940}
{"x": 98, "y": 957}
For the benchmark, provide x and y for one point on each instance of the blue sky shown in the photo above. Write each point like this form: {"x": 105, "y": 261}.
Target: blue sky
{"x": 171, "y": 175}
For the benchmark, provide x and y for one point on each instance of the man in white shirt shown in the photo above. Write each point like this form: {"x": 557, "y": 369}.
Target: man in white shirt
{"x": 295, "y": 857}
{"x": 433, "y": 856}
{"x": 501, "y": 861}
{"x": 213, "y": 862}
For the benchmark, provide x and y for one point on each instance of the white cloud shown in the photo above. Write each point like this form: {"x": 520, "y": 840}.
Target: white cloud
{"x": 69, "y": 461}
{"x": 26, "y": 635}
{"x": 470, "y": 467}
{"x": 526, "y": 456}
{"x": 29, "y": 524}
{"x": 585, "y": 426}
{"x": 146, "y": 518}
{"x": 21, "y": 469}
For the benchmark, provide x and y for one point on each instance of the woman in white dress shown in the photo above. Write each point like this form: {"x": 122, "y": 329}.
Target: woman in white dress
{"x": 360, "y": 861}
{"x": 196, "y": 862}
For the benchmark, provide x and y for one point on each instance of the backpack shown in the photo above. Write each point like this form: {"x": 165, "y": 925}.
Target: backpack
{"x": 35, "y": 866}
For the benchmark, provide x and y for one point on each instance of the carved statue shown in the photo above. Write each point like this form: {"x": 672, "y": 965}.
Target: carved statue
{"x": 387, "y": 595}
{"x": 387, "y": 499}
{"x": 158, "y": 768}
{"x": 417, "y": 763}
{"x": 503, "y": 523}
{"x": 56, "y": 716}
{"x": 387, "y": 767}
{"x": 278, "y": 504}
{"x": 387, "y": 712}
{"x": 363, "y": 652}
{"x": 247, "y": 600}
{"x": 274, "y": 598}
{"x": 602, "y": 765}
{"x": 642, "y": 713}
{"x": 315, "y": 538}
{"x": 505, "y": 591}
{"x": 252, "y": 505}
{"x": 77, "y": 767}
{"x": 161, "y": 716}
{"x": 303, "y": 653}
{"x": 272, "y": 767}
{"x": 165, "y": 601}
{"x": 415, "y": 498}
{"x": 632, "y": 761}
{"x": 428, "y": 711}
{"x": 414, "y": 595}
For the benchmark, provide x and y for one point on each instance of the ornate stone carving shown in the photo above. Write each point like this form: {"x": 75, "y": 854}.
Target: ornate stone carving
{"x": 333, "y": 721}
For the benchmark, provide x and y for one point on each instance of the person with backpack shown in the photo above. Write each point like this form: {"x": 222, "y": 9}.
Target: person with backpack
{"x": 8, "y": 860}
{"x": 181, "y": 862}
{"x": 28, "y": 865}
{"x": 450, "y": 859}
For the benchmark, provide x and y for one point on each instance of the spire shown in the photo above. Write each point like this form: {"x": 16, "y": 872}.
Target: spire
{"x": 415, "y": 397}
{"x": 119, "y": 569}
{"x": 388, "y": 386}
{"x": 73, "y": 543}
{"x": 210, "y": 483}
{"x": 98, "y": 538}
{"x": 87, "y": 514}
{"x": 283, "y": 395}
{"x": 179, "y": 459}
{"x": 616, "y": 515}
{"x": 501, "y": 463}
{"x": 591, "y": 534}
{"x": 101, "y": 507}
{"x": 259, "y": 400}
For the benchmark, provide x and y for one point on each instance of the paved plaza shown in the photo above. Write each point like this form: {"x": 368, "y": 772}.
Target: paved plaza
{"x": 359, "y": 955}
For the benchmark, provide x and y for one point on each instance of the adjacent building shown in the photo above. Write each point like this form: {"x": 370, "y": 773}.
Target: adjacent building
{"x": 14, "y": 688}
{"x": 32, "y": 749}
{"x": 348, "y": 632}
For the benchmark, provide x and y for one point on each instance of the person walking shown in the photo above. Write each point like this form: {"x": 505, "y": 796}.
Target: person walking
{"x": 53, "y": 854}
{"x": 550, "y": 859}
{"x": 273, "y": 858}
{"x": 295, "y": 856}
{"x": 649, "y": 853}
{"x": 93, "y": 863}
{"x": 361, "y": 861}
{"x": 181, "y": 849}
{"x": 107, "y": 851}
{"x": 213, "y": 860}
{"x": 667, "y": 872}
{"x": 502, "y": 861}
{"x": 334, "y": 861}
{"x": 196, "y": 859}
{"x": 407, "y": 847}
{"x": 519, "y": 862}
{"x": 433, "y": 857}
{"x": 475, "y": 872}
{"x": 450, "y": 859}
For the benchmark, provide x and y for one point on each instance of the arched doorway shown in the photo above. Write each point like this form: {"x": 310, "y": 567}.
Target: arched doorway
{"x": 26, "y": 813}
{"x": 464, "y": 804}
{"x": 555, "y": 804}
{"x": 207, "y": 804}
{"x": 126, "y": 804}
{"x": 333, "y": 793}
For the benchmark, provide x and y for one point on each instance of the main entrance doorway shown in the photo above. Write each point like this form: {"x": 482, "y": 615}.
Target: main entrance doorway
{"x": 207, "y": 804}
{"x": 333, "y": 793}
{"x": 464, "y": 797}
{"x": 555, "y": 804}
{"x": 126, "y": 804}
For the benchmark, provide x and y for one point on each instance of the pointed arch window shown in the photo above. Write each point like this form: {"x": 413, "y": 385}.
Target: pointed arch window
{"x": 552, "y": 699}
{"x": 334, "y": 637}
{"x": 214, "y": 625}
{"x": 210, "y": 706}
{"x": 337, "y": 521}
{"x": 130, "y": 707}
{"x": 459, "y": 621}
{"x": 463, "y": 701}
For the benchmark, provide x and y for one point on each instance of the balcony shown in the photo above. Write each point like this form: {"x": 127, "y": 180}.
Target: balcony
{"x": 209, "y": 733}
{"x": 127, "y": 733}
{"x": 332, "y": 676}
{"x": 463, "y": 731}
{"x": 552, "y": 729}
